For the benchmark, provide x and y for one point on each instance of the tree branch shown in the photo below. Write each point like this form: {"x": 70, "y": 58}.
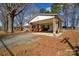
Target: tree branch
{"x": 20, "y": 11}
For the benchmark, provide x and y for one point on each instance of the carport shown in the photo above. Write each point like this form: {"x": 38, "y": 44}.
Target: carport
{"x": 39, "y": 23}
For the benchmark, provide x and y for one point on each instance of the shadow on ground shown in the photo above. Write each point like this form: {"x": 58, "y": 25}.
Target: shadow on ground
{"x": 75, "y": 49}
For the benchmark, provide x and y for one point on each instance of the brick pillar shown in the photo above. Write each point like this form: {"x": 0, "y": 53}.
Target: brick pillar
{"x": 59, "y": 24}
{"x": 37, "y": 28}
{"x": 40, "y": 28}
{"x": 55, "y": 26}
{"x": 51, "y": 25}
{"x": 30, "y": 27}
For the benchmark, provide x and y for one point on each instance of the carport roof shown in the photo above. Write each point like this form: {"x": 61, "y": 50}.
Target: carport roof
{"x": 41, "y": 18}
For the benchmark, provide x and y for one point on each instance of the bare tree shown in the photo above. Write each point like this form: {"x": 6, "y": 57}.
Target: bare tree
{"x": 3, "y": 19}
{"x": 20, "y": 19}
{"x": 65, "y": 11}
{"x": 73, "y": 16}
{"x": 10, "y": 10}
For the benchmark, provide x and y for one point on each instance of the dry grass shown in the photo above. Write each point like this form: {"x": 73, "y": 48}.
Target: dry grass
{"x": 73, "y": 36}
{"x": 4, "y": 34}
{"x": 47, "y": 46}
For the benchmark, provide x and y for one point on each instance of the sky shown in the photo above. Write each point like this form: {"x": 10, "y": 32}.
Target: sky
{"x": 46, "y": 6}
{"x": 43, "y": 5}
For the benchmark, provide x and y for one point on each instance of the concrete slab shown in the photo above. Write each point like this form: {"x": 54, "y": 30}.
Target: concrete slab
{"x": 47, "y": 34}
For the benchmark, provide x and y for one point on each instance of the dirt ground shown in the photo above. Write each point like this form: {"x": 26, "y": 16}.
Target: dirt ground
{"x": 38, "y": 45}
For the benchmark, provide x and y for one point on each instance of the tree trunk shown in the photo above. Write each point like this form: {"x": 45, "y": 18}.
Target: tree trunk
{"x": 74, "y": 17}
{"x": 21, "y": 28}
{"x": 10, "y": 23}
{"x": 65, "y": 16}
{"x": 5, "y": 26}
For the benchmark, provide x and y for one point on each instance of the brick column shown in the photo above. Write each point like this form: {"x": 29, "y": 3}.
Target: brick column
{"x": 59, "y": 24}
{"x": 55, "y": 26}
{"x": 30, "y": 27}
{"x": 37, "y": 28}
{"x": 40, "y": 28}
{"x": 51, "y": 25}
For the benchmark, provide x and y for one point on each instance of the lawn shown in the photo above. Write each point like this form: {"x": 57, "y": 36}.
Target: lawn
{"x": 45, "y": 45}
